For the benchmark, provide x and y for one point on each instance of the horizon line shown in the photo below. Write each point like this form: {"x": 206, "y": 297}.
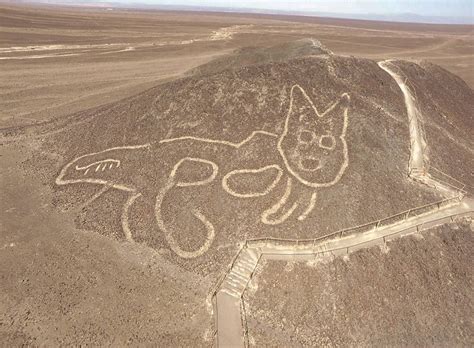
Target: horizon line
{"x": 401, "y": 17}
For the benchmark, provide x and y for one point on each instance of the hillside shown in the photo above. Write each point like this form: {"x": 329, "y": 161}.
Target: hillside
{"x": 416, "y": 291}
{"x": 165, "y": 187}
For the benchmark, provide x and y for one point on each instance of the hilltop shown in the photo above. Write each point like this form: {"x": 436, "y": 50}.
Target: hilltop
{"x": 288, "y": 142}
{"x": 240, "y": 99}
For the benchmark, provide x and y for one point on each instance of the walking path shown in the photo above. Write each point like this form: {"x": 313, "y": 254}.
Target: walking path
{"x": 228, "y": 304}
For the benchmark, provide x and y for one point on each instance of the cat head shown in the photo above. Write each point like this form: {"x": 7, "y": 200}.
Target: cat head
{"x": 313, "y": 145}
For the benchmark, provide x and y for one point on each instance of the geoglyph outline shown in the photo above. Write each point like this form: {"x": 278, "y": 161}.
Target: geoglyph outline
{"x": 59, "y": 180}
{"x": 341, "y": 138}
{"x": 172, "y": 182}
{"x": 267, "y": 190}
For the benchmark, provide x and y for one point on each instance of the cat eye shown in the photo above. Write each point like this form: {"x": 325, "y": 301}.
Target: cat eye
{"x": 327, "y": 142}
{"x": 305, "y": 136}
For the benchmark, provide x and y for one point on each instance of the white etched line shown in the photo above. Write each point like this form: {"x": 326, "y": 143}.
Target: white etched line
{"x": 224, "y": 142}
{"x": 267, "y": 189}
{"x": 125, "y": 212}
{"x": 344, "y": 97}
{"x": 309, "y": 209}
{"x": 274, "y": 209}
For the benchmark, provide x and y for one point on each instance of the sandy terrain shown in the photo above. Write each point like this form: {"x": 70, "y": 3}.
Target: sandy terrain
{"x": 404, "y": 295}
{"x": 63, "y": 286}
{"x": 162, "y": 145}
{"x": 60, "y": 60}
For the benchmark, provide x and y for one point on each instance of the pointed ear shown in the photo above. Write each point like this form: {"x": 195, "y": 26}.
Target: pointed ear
{"x": 336, "y": 115}
{"x": 301, "y": 107}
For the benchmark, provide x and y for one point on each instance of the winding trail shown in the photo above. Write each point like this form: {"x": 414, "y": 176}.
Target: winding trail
{"x": 418, "y": 144}
{"x": 227, "y": 299}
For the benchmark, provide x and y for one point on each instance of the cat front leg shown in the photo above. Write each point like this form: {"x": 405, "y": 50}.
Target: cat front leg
{"x": 280, "y": 211}
{"x": 310, "y": 206}
{"x": 296, "y": 198}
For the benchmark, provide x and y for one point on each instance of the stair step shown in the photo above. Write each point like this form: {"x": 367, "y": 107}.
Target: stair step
{"x": 231, "y": 286}
{"x": 232, "y": 293}
{"x": 242, "y": 270}
{"x": 248, "y": 264}
{"x": 237, "y": 283}
{"x": 237, "y": 276}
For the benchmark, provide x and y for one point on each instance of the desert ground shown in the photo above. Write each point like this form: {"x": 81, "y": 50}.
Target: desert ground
{"x": 56, "y": 61}
{"x": 207, "y": 179}
{"x": 387, "y": 301}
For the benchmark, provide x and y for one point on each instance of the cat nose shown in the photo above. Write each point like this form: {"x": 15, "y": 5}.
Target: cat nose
{"x": 345, "y": 99}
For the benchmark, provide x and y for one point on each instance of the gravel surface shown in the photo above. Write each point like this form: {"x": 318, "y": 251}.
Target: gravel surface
{"x": 415, "y": 292}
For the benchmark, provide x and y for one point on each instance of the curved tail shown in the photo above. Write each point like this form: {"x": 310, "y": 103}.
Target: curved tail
{"x": 210, "y": 231}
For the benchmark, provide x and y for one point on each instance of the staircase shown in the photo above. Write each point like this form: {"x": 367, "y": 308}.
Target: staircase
{"x": 236, "y": 280}
{"x": 230, "y": 326}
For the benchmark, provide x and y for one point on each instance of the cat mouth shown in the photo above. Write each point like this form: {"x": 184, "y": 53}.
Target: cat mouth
{"x": 99, "y": 166}
{"x": 310, "y": 164}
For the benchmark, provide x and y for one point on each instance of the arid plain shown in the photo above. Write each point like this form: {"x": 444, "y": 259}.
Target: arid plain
{"x": 56, "y": 61}
{"x": 160, "y": 180}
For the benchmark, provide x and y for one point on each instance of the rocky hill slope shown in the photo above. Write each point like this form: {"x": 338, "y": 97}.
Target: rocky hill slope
{"x": 289, "y": 142}
{"x": 406, "y": 294}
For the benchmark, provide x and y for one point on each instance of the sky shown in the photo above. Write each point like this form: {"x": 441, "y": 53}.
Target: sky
{"x": 451, "y": 8}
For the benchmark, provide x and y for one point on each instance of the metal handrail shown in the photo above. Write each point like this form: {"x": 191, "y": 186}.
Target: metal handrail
{"x": 375, "y": 223}
{"x": 469, "y": 212}
{"x": 447, "y": 175}
{"x": 330, "y": 251}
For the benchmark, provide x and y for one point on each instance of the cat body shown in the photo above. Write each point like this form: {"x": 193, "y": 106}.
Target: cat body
{"x": 311, "y": 153}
